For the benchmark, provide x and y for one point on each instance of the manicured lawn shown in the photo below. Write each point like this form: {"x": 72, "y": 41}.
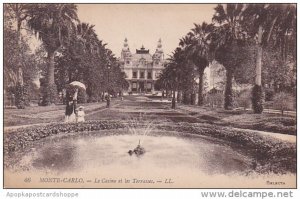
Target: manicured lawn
{"x": 42, "y": 114}
{"x": 269, "y": 122}
{"x": 192, "y": 114}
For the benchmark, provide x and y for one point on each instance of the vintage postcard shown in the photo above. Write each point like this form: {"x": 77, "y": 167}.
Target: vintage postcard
{"x": 149, "y": 95}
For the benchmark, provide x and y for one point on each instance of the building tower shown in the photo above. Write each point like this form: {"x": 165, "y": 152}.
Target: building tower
{"x": 125, "y": 54}
{"x": 158, "y": 56}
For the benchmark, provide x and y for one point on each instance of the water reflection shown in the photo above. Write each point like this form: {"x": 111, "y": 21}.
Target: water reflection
{"x": 191, "y": 161}
{"x": 169, "y": 152}
{"x": 55, "y": 156}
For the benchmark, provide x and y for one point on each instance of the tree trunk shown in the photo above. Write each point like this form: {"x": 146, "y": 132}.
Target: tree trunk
{"x": 257, "y": 93}
{"x": 185, "y": 98}
{"x": 173, "y": 101}
{"x": 228, "y": 90}
{"x": 193, "y": 98}
{"x": 50, "y": 94}
{"x": 200, "y": 91}
{"x": 179, "y": 96}
{"x": 70, "y": 76}
{"x": 20, "y": 72}
{"x": 259, "y": 57}
{"x": 20, "y": 95}
{"x": 50, "y": 72}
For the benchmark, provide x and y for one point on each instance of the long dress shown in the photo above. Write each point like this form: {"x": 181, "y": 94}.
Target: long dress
{"x": 70, "y": 112}
{"x": 70, "y": 115}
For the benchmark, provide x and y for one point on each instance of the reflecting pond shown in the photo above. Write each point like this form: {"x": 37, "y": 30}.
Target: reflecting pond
{"x": 186, "y": 161}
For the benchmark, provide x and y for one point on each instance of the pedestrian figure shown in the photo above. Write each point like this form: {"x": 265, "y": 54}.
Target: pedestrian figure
{"x": 70, "y": 115}
{"x": 80, "y": 114}
{"x": 173, "y": 103}
{"x": 107, "y": 98}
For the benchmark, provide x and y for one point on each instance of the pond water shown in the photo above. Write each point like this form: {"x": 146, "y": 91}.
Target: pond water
{"x": 170, "y": 160}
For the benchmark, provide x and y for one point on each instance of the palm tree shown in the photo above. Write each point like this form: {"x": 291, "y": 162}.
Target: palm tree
{"x": 170, "y": 78}
{"x": 264, "y": 21}
{"x": 174, "y": 72}
{"x": 19, "y": 13}
{"x": 167, "y": 80}
{"x": 52, "y": 24}
{"x": 188, "y": 68}
{"x": 178, "y": 75}
{"x": 198, "y": 52}
{"x": 227, "y": 43}
{"x": 85, "y": 34}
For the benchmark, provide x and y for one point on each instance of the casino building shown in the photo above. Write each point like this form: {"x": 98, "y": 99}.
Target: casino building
{"x": 141, "y": 68}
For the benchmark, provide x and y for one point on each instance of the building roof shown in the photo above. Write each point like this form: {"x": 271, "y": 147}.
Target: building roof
{"x": 137, "y": 57}
{"x": 142, "y": 50}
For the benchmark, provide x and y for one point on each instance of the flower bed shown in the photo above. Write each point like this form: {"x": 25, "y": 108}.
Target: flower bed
{"x": 20, "y": 138}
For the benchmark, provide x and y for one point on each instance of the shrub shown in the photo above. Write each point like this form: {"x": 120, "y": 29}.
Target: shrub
{"x": 244, "y": 99}
{"x": 20, "y": 96}
{"x": 49, "y": 93}
{"x": 215, "y": 99}
{"x": 269, "y": 94}
{"x": 82, "y": 97}
{"x": 257, "y": 99}
{"x": 283, "y": 102}
{"x": 235, "y": 95}
{"x": 15, "y": 140}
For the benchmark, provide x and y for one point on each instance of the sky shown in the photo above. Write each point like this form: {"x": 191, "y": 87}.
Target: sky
{"x": 144, "y": 24}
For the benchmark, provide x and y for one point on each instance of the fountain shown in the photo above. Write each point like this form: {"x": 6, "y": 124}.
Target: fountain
{"x": 139, "y": 150}
{"x": 133, "y": 125}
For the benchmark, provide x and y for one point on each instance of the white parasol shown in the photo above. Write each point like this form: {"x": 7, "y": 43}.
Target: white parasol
{"x": 78, "y": 84}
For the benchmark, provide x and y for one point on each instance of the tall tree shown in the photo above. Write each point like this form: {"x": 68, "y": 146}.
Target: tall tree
{"x": 20, "y": 64}
{"x": 229, "y": 43}
{"x": 198, "y": 50}
{"x": 178, "y": 75}
{"x": 188, "y": 68}
{"x": 89, "y": 61}
{"x": 18, "y": 14}
{"x": 52, "y": 24}
{"x": 264, "y": 21}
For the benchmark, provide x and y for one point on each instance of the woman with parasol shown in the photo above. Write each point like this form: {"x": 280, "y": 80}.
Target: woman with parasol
{"x": 71, "y": 101}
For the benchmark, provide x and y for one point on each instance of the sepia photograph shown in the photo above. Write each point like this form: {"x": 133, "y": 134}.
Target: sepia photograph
{"x": 149, "y": 95}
